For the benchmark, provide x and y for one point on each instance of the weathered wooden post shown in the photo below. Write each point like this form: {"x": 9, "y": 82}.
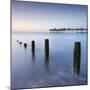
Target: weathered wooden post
{"x": 20, "y": 42}
{"x": 33, "y": 45}
{"x": 33, "y": 48}
{"x": 46, "y": 48}
{"x": 77, "y": 57}
{"x": 25, "y": 45}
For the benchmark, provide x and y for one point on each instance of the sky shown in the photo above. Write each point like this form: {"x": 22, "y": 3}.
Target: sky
{"x": 40, "y": 17}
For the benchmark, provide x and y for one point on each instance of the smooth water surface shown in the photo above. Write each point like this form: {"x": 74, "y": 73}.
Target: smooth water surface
{"x": 34, "y": 70}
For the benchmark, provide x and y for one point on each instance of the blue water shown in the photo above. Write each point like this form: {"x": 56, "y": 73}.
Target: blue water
{"x": 35, "y": 71}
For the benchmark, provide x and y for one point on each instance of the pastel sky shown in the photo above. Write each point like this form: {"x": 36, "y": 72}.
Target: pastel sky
{"x": 40, "y": 17}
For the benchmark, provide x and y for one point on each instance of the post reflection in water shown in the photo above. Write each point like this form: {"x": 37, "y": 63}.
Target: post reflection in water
{"x": 77, "y": 57}
{"x": 46, "y": 60}
{"x": 33, "y": 54}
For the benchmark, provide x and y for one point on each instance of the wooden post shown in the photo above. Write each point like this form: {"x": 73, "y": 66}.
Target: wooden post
{"x": 25, "y": 45}
{"x": 77, "y": 57}
{"x": 20, "y": 42}
{"x": 33, "y": 48}
{"x": 46, "y": 48}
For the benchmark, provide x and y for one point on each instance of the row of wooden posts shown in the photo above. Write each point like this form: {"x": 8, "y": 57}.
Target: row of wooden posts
{"x": 76, "y": 54}
{"x": 33, "y": 46}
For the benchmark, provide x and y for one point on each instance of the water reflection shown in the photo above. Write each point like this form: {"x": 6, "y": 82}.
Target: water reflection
{"x": 33, "y": 55}
{"x": 46, "y": 61}
{"x": 77, "y": 57}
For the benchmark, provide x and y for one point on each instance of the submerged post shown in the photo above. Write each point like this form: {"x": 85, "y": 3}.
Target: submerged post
{"x": 33, "y": 48}
{"x": 25, "y": 45}
{"x": 20, "y": 42}
{"x": 17, "y": 41}
{"x": 33, "y": 45}
{"x": 77, "y": 57}
{"x": 46, "y": 48}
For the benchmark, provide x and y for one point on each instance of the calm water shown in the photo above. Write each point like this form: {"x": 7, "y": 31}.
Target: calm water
{"x": 30, "y": 71}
